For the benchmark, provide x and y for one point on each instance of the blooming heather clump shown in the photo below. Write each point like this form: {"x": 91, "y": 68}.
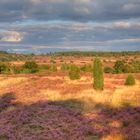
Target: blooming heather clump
{"x": 43, "y": 121}
{"x": 6, "y": 101}
{"x": 47, "y": 120}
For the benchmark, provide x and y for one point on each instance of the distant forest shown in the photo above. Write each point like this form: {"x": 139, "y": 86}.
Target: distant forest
{"x": 99, "y": 54}
{"x": 5, "y": 56}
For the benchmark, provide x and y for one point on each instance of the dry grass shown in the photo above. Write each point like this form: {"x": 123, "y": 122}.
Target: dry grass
{"x": 123, "y": 96}
{"x": 127, "y": 95}
{"x": 7, "y": 82}
{"x": 60, "y": 87}
{"x": 114, "y": 137}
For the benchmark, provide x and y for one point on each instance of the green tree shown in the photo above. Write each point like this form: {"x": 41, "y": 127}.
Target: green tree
{"x": 74, "y": 72}
{"x": 98, "y": 75}
{"x": 130, "y": 80}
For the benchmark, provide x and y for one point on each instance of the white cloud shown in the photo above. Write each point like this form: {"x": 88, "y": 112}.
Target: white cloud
{"x": 11, "y": 36}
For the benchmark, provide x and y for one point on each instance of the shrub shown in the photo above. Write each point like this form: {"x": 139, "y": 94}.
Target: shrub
{"x": 109, "y": 70}
{"x": 53, "y": 68}
{"x": 136, "y": 66}
{"x": 87, "y": 68}
{"x": 119, "y": 66}
{"x": 44, "y": 68}
{"x": 30, "y": 66}
{"x": 128, "y": 69}
{"x": 26, "y": 71}
{"x": 130, "y": 80}
{"x": 52, "y": 61}
{"x": 98, "y": 75}
{"x": 74, "y": 72}
{"x": 4, "y": 68}
{"x": 65, "y": 67}
{"x": 16, "y": 69}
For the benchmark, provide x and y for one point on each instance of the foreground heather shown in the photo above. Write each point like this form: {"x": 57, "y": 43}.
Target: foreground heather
{"x": 54, "y": 120}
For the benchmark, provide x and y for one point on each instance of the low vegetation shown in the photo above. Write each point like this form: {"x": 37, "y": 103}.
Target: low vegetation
{"x": 65, "y": 67}
{"x": 4, "y": 68}
{"x": 7, "y": 57}
{"x": 53, "y": 68}
{"x": 87, "y": 68}
{"x": 74, "y": 72}
{"x": 43, "y": 68}
{"x": 109, "y": 70}
{"x": 122, "y": 66}
{"x": 130, "y": 80}
{"x": 30, "y": 66}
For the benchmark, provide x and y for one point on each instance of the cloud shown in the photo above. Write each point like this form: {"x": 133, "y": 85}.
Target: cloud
{"x": 73, "y": 10}
{"x": 76, "y": 34}
{"x": 10, "y": 36}
{"x": 29, "y": 25}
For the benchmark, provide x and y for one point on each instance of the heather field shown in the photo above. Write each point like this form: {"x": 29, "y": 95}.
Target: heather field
{"x": 47, "y": 105}
{"x": 69, "y": 69}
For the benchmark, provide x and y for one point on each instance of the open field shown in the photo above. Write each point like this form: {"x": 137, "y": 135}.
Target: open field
{"x": 48, "y": 105}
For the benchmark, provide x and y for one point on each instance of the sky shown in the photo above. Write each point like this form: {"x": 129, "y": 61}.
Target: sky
{"x": 42, "y": 26}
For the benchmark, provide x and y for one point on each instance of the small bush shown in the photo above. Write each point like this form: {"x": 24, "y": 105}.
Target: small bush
{"x": 52, "y": 61}
{"x": 136, "y": 66}
{"x": 53, "y": 68}
{"x": 87, "y": 68}
{"x": 128, "y": 69}
{"x": 65, "y": 67}
{"x": 26, "y": 71}
{"x": 74, "y": 72}
{"x": 130, "y": 80}
{"x": 30, "y": 66}
{"x": 16, "y": 69}
{"x": 109, "y": 70}
{"x": 4, "y": 68}
{"x": 43, "y": 68}
{"x": 98, "y": 75}
{"x": 119, "y": 66}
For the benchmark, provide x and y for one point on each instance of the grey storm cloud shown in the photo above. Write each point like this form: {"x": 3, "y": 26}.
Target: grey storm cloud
{"x": 73, "y": 10}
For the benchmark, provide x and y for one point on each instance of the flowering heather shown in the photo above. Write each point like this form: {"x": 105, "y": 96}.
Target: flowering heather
{"x": 47, "y": 120}
{"x": 43, "y": 121}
